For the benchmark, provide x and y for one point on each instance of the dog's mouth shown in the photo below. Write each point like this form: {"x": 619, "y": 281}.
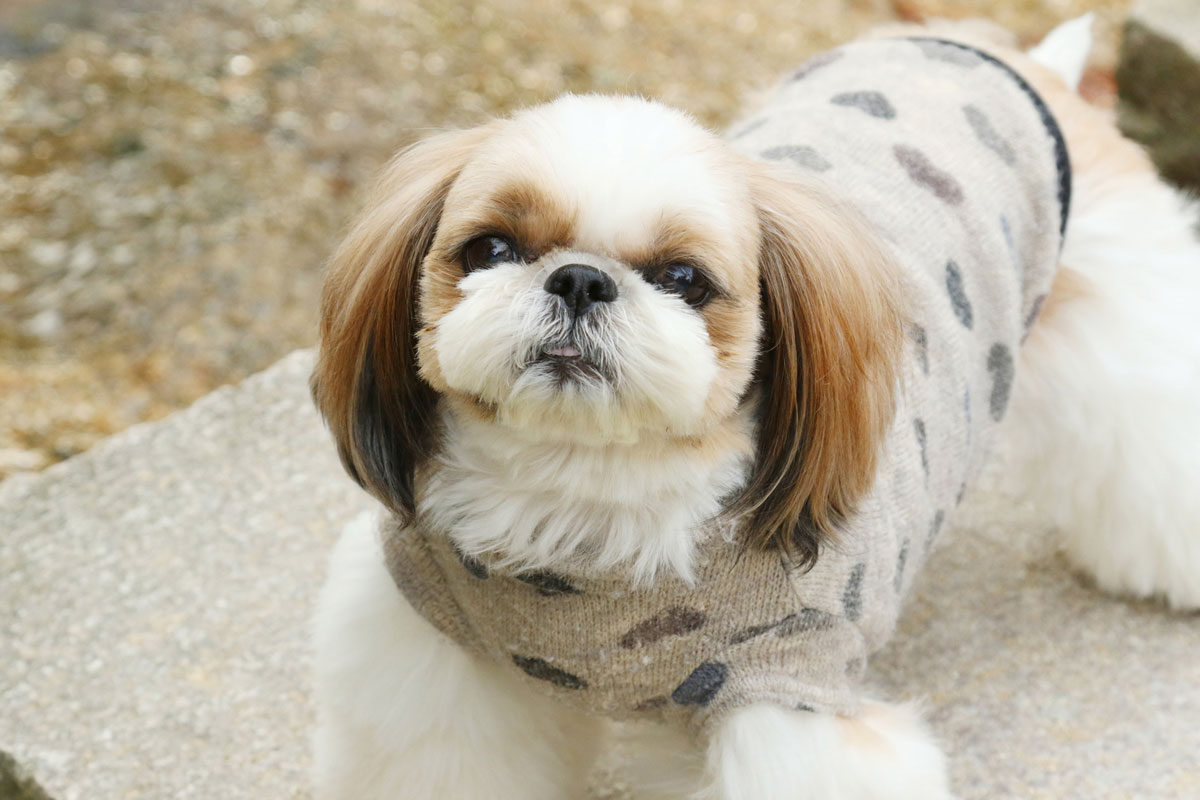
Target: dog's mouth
{"x": 566, "y": 352}
{"x": 567, "y": 362}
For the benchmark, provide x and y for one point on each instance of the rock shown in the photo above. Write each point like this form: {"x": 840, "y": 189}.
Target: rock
{"x": 1158, "y": 81}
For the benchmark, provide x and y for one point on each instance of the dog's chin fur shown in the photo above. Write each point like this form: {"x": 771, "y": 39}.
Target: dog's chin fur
{"x": 582, "y": 507}
{"x": 616, "y": 463}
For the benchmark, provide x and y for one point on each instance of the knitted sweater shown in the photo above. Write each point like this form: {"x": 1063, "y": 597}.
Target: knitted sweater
{"x": 962, "y": 170}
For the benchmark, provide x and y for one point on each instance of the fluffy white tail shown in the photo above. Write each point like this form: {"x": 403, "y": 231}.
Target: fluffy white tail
{"x": 1065, "y": 49}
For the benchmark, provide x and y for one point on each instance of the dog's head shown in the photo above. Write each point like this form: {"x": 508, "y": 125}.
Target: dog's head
{"x": 602, "y": 270}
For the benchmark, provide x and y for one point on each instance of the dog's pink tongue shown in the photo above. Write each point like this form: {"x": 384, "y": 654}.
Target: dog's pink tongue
{"x": 566, "y": 351}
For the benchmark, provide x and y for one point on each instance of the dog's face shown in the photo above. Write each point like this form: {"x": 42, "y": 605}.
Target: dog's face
{"x": 602, "y": 271}
{"x": 594, "y": 277}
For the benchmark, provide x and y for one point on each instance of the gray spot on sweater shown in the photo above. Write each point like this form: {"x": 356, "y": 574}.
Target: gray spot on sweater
{"x": 987, "y": 134}
{"x": 872, "y": 103}
{"x": 943, "y": 51}
{"x": 816, "y": 63}
{"x": 544, "y": 671}
{"x": 800, "y": 154}
{"x": 1034, "y": 310}
{"x": 901, "y": 562}
{"x": 473, "y": 564}
{"x": 921, "y": 340}
{"x": 547, "y": 583}
{"x": 754, "y": 631}
{"x": 852, "y": 596}
{"x": 808, "y": 619}
{"x": 923, "y": 173}
{"x": 699, "y": 688}
{"x": 958, "y": 295}
{"x": 675, "y": 621}
{"x": 1006, "y": 229}
{"x": 919, "y": 430}
{"x": 1000, "y": 365}
{"x": 934, "y": 527}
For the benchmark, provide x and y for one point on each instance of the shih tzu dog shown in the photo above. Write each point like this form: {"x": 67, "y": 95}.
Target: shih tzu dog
{"x": 664, "y": 423}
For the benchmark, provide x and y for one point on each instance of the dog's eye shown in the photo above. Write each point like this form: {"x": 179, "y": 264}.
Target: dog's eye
{"x": 686, "y": 281}
{"x": 487, "y": 251}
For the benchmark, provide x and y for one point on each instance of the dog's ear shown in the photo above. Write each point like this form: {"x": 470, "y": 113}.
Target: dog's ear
{"x": 381, "y": 413}
{"x": 828, "y": 365}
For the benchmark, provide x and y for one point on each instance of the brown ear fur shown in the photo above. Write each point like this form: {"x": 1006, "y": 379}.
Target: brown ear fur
{"x": 382, "y": 415}
{"x": 827, "y": 372}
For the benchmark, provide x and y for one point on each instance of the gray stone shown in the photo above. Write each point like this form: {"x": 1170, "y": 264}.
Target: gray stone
{"x": 155, "y": 600}
{"x": 156, "y": 593}
{"x": 1158, "y": 82}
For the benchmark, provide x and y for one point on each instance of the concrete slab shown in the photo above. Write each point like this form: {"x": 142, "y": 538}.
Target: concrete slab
{"x": 155, "y": 595}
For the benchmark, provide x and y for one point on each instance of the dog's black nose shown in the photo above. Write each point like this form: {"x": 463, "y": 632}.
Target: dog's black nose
{"x": 581, "y": 286}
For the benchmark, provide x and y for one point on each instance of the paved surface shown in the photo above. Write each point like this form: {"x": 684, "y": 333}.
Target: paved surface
{"x": 156, "y": 590}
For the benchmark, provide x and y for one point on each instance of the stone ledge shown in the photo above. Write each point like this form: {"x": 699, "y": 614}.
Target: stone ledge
{"x": 157, "y": 591}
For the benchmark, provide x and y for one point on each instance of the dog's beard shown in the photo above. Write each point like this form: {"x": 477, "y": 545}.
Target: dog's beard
{"x": 643, "y": 362}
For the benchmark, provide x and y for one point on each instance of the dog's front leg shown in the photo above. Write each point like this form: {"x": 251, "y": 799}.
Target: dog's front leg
{"x": 765, "y": 752}
{"x": 404, "y": 714}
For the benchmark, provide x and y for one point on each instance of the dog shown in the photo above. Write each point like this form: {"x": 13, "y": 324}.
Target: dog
{"x": 663, "y": 424}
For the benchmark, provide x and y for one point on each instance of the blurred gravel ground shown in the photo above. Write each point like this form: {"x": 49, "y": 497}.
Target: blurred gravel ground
{"x": 172, "y": 175}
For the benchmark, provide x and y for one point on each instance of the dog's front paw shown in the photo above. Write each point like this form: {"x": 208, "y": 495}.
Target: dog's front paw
{"x": 769, "y": 753}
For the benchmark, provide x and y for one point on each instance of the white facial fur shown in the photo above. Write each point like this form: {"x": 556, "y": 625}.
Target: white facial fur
{"x": 618, "y": 177}
{"x": 652, "y": 351}
{"x": 578, "y": 508}
{"x": 613, "y": 467}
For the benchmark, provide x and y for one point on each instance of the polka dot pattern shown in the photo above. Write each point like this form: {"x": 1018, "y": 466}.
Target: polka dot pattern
{"x": 473, "y": 565}
{"x": 934, "y": 527}
{"x": 987, "y": 134}
{"x": 919, "y": 432}
{"x": 547, "y": 584}
{"x": 1006, "y": 230}
{"x": 798, "y": 154}
{"x": 675, "y": 621}
{"x": 923, "y": 173}
{"x": 808, "y": 619}
{"x": 545, "y": 671}
{"x": 815, "y": 63}
{"x": 852, "y": 595}
{"x": 1034, "y": 310}
{"x": 921, "y": 340}
{"x": 699, "y": 688}
{"x": 901, "y": 562}
{"x": 949, "y": 53}
{"x": 752, "y": 632}
{"x": 873, "y": 103}
{"x": 958, "y": 296}
{"x": 1000, "y": 366}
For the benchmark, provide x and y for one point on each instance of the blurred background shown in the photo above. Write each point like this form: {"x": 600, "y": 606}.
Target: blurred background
{"x": 173, "y": 174}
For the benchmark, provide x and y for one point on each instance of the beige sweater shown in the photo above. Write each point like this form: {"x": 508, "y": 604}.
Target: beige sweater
{"x": 965, "y": 174}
